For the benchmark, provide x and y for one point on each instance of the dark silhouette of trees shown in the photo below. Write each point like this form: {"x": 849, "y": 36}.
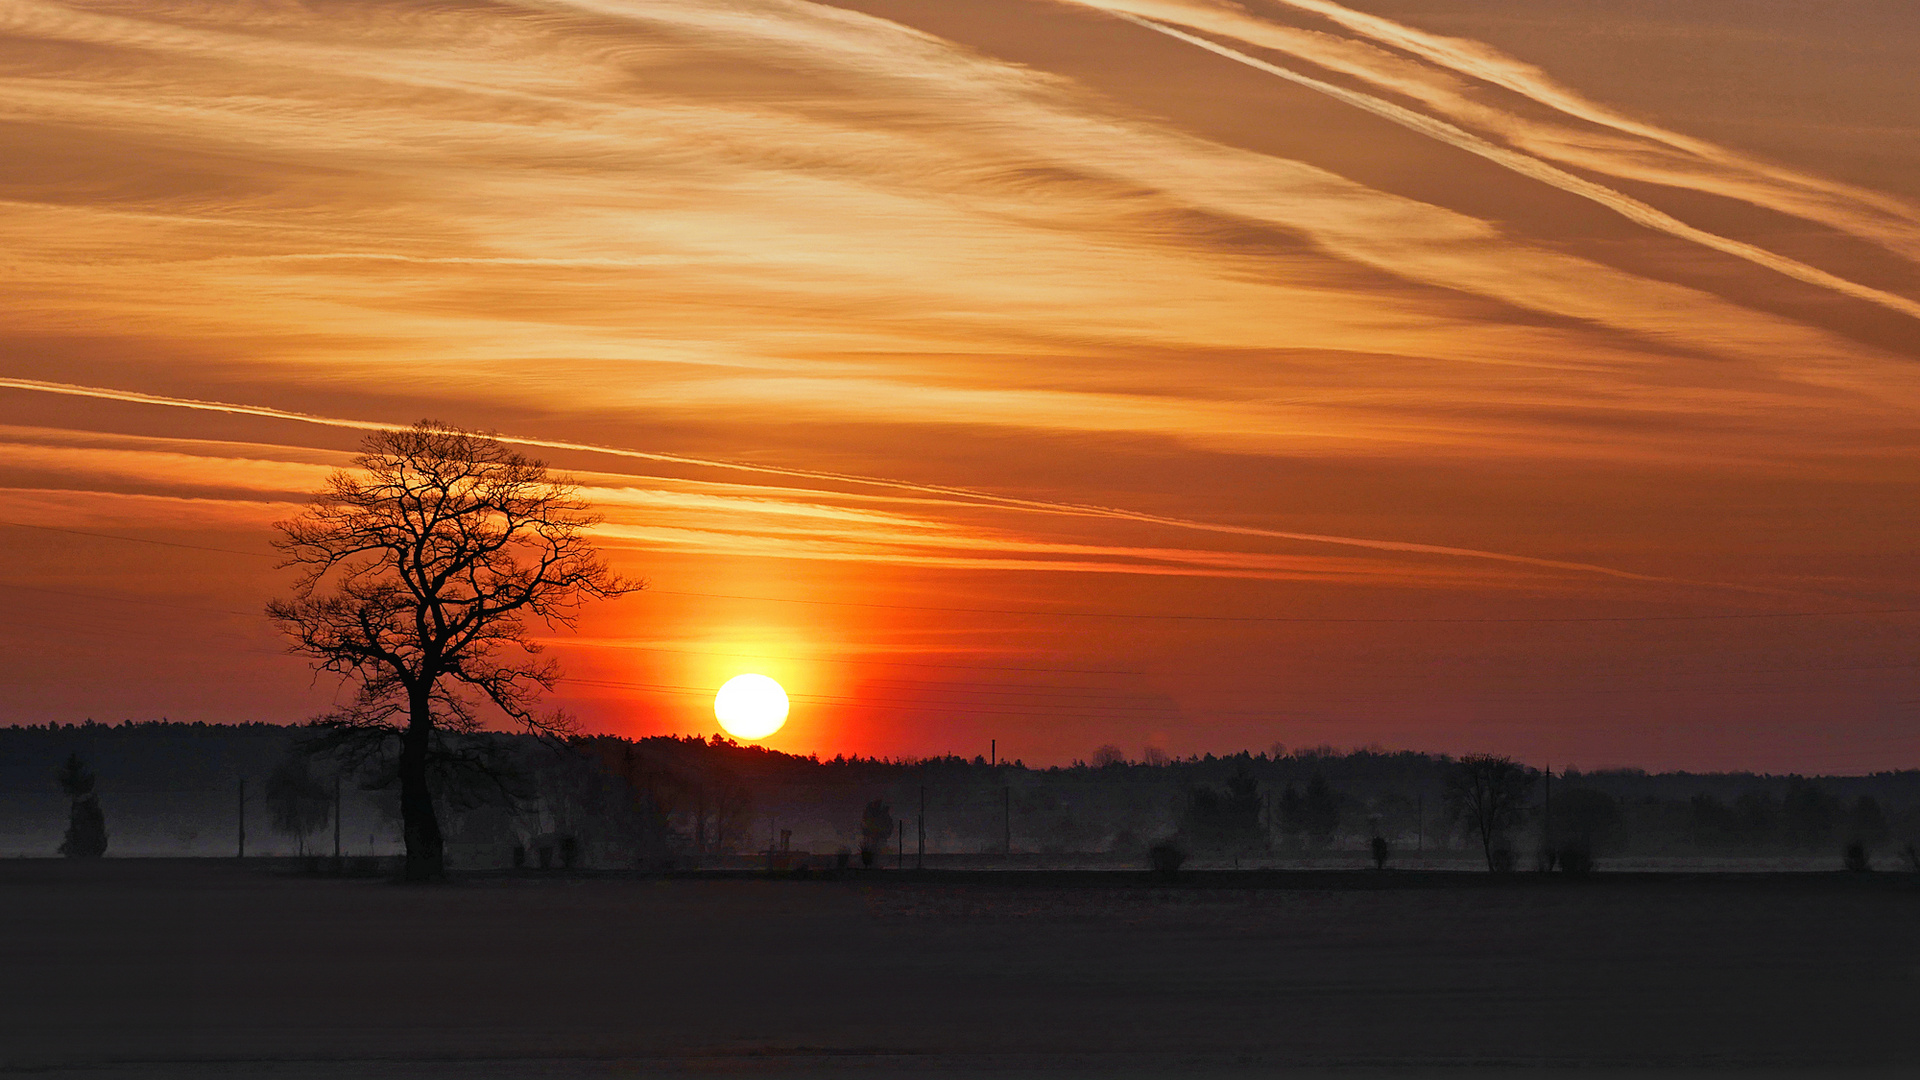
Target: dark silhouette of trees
{"x": 1313, "y": 816}
{"x": 1228, "y": 820}
{"x": 298, "y": 804}
{"x": 86, "y": 822}
{"x": 419, "y": 573}
{"x": 1490, "y": 794}
{"x": 1808, "y": 814}
{"x": 876, "y": 828}
{"x": 1381, "y": 849}
{"x": 1109, "y": 755}
{"x": 1867, "y": 823}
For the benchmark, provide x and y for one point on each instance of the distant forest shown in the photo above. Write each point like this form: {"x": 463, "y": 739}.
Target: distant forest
{"x": 175, "y": 789}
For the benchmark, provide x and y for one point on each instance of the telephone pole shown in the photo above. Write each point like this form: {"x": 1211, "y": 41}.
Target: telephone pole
{"x": 243, "y": 817}
{"x": 336, "y": 817}
{"x": 920, "y": 853}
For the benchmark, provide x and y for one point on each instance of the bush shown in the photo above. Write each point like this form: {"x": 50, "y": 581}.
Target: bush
{"x": 1576, "y": 859}
{"x": 1381, "y": 849}
{"x": 1166, "y": 858}
{"x": 1856, "y": 858}
{"x": 1500, "y": 860}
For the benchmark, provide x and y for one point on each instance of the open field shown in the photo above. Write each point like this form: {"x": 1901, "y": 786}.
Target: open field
{"x": 203, "y": 968}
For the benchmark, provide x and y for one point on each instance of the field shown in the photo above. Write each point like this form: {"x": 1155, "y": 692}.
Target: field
{"x": 205, "y": 968}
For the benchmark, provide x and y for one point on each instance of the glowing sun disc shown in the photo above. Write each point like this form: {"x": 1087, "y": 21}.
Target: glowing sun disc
{"x": 750, "y": 706}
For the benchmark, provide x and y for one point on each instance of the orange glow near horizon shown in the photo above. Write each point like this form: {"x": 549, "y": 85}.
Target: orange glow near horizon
{"x": 1060, "y": 372}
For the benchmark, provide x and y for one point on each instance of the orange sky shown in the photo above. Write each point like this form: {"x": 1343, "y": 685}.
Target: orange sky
{"x": 1521, "y": 375}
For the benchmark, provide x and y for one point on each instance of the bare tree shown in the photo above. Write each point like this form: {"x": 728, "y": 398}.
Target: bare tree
{"x": 418, "y": 574}
{"x": 1490, "y": 794}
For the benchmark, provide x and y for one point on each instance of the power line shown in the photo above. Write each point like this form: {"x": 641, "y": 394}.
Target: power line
{"x": 139, "y": 540}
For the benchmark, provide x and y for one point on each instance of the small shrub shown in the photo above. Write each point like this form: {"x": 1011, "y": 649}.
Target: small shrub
{"x": 1381, "y": 850}
{"x": 1166, "y": 858}
{"x": 1856, "y": 858}
{"x": 1913, "y": 856}
{"x": 1576, "y": 859}
{"x": 1501, "y": 860}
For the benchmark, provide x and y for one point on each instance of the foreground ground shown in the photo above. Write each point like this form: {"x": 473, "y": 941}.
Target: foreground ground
{"x": 181, "y": 968}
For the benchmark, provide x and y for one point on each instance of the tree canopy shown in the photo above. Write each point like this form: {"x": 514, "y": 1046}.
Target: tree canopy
{"x": 421, "y": 573}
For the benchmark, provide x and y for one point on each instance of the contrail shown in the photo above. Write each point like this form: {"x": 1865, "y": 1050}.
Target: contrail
{"x": 975, "y": 497}
{"x": 1620, "y": 203}
{"x": 1868, "y": 214}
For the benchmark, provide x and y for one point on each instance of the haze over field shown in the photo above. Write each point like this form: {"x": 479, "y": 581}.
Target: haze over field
{"x": 1535, "y": 376}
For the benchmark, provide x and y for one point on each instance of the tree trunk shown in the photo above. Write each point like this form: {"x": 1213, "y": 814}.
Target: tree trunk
{"x": 426, "y": 859}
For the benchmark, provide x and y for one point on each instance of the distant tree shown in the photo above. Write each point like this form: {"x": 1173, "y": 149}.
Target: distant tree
{"x": 876, "y": 828}
{"x": 86, "y": 822}
{"x": 1809, "y": 814}
{"x": 1225, "y": 820}
{"x": 1154, "y": 756}
{"x": 1292, "y": 815}
{"x": 298, "y": 804}
{"x": 1490, "y": 794}
{"x": 1867, "y": 823}
{"x": 1321, "y": 808}
{"x": 1381, "y": 849}
{"x": 1109, "y": 755}
{"x": 419, "y": 574}
{"x": 1315, "y": 815}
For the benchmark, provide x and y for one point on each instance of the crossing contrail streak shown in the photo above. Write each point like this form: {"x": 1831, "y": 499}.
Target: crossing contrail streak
{"x": 970, "y": 496}
{"x": 1533, "y": 168}
{"x": 1869, "y": 215}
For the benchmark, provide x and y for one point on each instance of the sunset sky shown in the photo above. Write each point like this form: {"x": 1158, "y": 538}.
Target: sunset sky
{"x": 1529, "y": 376}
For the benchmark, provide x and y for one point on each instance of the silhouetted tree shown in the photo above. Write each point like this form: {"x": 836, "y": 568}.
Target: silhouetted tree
{"x": 1489, "y": 794}
{"x": 1109, "y": 755}
{"x": 1227, "y": 820}
{"x": 876, "y": 828}
{"x": 1381, "y": 849}
{"x": 1313, "y": 816}
{"x": 1808, "y": 813}
{"x": 86, "y": 823}
{"x": 418, "y": 575}
{"x": 297, "y": 802}
{"x": 1867, "y": 823}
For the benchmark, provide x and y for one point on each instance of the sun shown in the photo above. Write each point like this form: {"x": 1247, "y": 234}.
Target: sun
{"x": 750, "y": 706}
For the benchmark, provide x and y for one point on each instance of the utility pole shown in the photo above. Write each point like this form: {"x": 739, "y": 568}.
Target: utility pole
{"x": 1546, "y": 826}
{"x": 1006, "y": 817}
{"x": 243, "y": 817}
{"x": 1419, "y": 821}
{"x": 336, "y": 817}
{"x": 900, "y": 855}
{"x": 993, "y": 752}
{"x": 920, "y": 853}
